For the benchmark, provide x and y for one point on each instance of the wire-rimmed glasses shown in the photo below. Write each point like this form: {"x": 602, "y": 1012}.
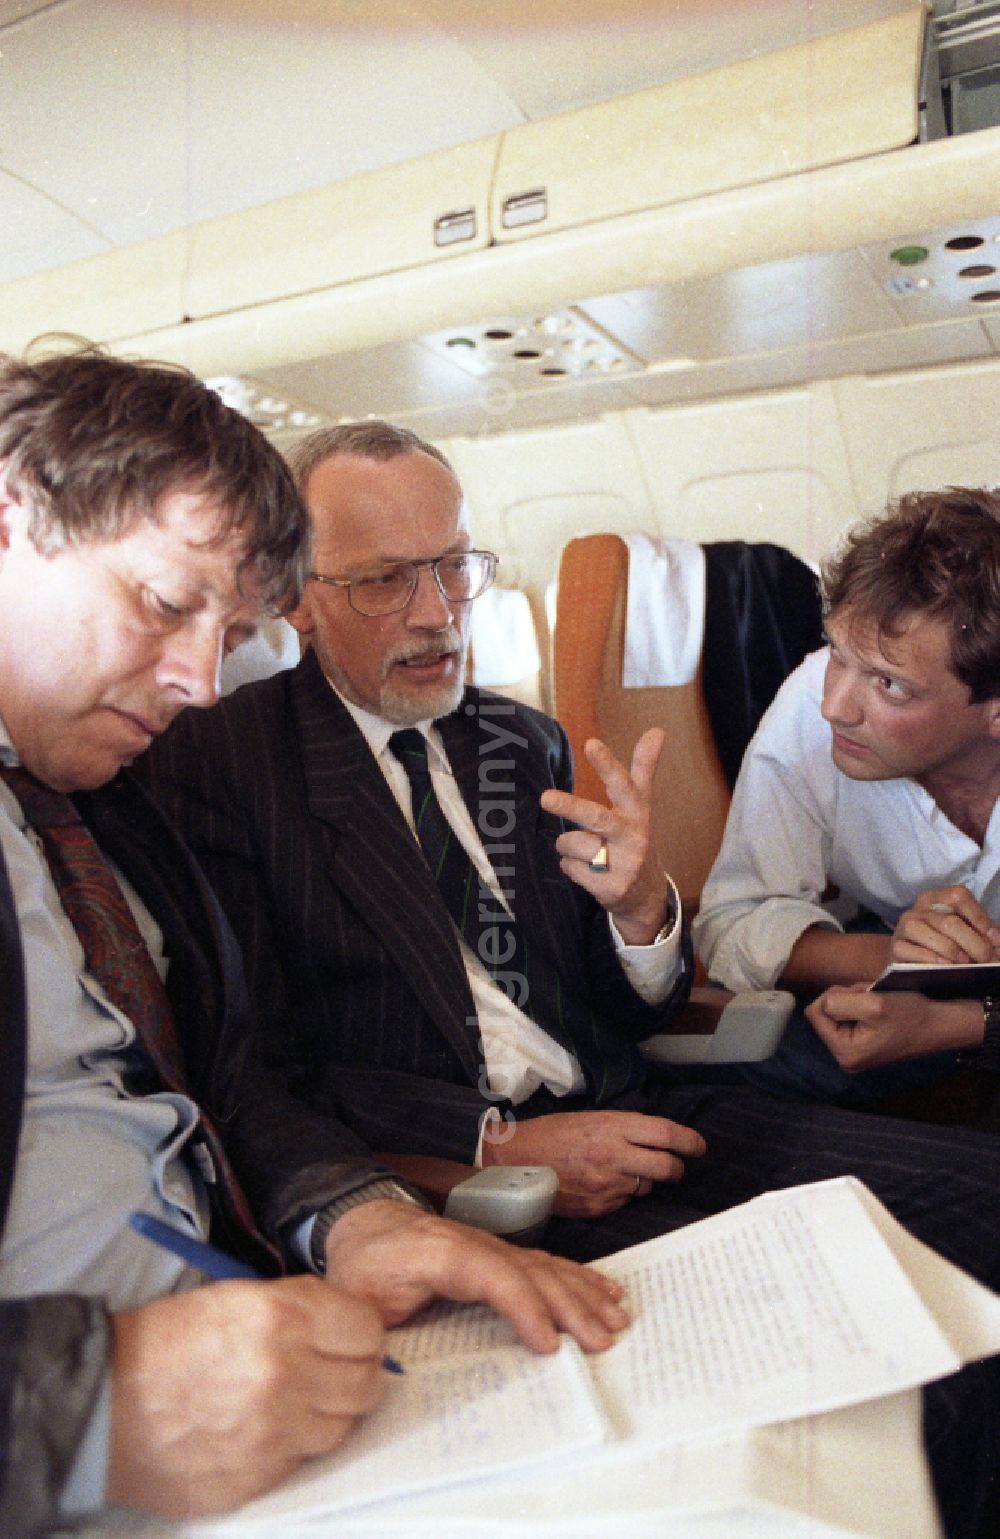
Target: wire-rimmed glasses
{"x": 461, "y": 576}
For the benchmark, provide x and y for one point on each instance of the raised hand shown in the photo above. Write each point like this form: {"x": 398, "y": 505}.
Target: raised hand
{"x": 632, "y": 886}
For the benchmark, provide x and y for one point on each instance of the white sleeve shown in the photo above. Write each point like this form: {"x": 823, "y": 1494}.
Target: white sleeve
{"x": 766, "y": 886}
{"x": 652, "y": 970}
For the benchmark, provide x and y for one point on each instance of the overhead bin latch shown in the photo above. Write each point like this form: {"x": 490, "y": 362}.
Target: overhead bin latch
{"x": 460, "y": 224}
{"x": 524, "y": 208}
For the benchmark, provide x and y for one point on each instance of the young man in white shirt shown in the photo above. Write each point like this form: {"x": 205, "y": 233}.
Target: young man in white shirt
{"x": 873, "y": 780}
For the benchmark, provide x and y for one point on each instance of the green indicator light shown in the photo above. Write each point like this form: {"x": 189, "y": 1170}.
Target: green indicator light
{"x": 460, "y": 342}
{"x": 909, "y": 256}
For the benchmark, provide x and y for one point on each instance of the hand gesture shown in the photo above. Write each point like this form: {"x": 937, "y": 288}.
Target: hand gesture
{"x": 632, "y": 885}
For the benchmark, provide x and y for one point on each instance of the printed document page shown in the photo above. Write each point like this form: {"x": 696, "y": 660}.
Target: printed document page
{"x": 857, "y": 1473}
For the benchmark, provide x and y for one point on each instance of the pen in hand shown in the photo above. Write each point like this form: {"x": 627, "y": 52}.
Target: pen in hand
{"x": 207, "y": 1259}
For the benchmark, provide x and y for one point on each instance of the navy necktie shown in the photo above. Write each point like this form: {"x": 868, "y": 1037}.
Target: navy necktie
{"x": 118, "y": 957}
{"x": 492, "y": 934}
{"x": 454, "y": 872}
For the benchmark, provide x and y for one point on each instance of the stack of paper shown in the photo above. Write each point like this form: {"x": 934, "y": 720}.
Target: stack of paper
{"x": 768, "y": 1385}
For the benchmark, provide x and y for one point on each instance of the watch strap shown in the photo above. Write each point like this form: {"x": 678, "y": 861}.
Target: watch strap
{"x": 372, "y": 1191}
{"x": 988, "y": 1056}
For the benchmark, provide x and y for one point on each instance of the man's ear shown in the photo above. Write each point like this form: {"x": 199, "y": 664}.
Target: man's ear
{"x": 993, "y": 716}
{"x": 301, "y": 618}
{"x": 12, "y": 515}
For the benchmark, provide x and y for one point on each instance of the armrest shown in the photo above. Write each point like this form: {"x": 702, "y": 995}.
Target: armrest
{"x": 513, "y": 1201}
{"x": 718, "y": 1027}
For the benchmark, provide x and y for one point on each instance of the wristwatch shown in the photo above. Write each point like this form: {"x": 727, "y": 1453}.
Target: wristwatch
{"x": 327, "y": 1216}
{"x": 988, "y": 1056}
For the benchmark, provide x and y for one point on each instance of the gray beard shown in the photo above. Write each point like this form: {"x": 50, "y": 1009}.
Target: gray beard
{"x": 399, "y": 707}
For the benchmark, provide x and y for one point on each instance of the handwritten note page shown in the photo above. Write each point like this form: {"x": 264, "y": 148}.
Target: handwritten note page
{"x": 855, "y": 1472}
{"x": 801, "y": 1302}
{"x": 789, "y": 1305}
{"x": 471, "y": 1415}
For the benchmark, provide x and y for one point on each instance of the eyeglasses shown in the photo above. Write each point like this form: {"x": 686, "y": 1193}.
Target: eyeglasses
{"x": 460, "y": 577}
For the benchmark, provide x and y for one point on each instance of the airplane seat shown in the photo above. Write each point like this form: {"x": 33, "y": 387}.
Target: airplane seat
{"x": 273, "y": 647}
{"x": 693, "y": 787}
{"x": 587, "y": 656}
{"x": 504, "y": 654}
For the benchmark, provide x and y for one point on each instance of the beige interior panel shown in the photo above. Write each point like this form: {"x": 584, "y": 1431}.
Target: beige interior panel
{"x": 805, "y": 299}
{"x": 833, "y": 99}
{"x": 874, "y": 199}
{"x": 768, "y": 467}
{"x": 814, "y": 361}
{"x": 352, "y": 229}
{"x": 920, "y": 428}
{"x": 136, "y": 289}
{"x": 968, "y": 461}
{"x": 590, "y": 460}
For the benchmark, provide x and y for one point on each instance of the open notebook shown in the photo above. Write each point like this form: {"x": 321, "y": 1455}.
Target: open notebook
{"x": 754, "y": 1334}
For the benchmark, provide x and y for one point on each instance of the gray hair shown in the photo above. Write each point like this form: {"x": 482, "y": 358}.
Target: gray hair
{"x": 371, "y": 439}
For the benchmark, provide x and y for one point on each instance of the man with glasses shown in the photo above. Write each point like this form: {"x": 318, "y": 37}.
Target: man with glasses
{"x": 445, "y": 964}
{"x": 145, "y": 528}
{"x": 424, "y": 1016}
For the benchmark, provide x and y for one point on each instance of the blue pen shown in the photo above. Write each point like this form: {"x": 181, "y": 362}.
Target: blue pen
{"x": 207, "y": 1259}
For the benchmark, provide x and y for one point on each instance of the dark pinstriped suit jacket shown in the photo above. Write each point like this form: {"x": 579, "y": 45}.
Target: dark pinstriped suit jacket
{"x": 289, "y": 1159}
{"x": 351, "y": 956}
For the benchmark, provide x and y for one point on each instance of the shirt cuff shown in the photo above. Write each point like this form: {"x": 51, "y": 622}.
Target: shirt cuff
{"x": 652, "y": 970}
{"x": 492, "y": 1118}
{"x": 83, "y": 1490}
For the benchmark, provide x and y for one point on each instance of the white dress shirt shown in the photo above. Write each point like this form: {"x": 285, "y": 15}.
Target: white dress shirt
{"x": 798, "y": 824}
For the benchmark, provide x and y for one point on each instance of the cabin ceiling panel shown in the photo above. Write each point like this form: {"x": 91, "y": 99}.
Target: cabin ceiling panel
{"x": 232, "y": 103}
{"x": 771, "y": 305}
{"x": 222, "y": 111}
{"x": 583, "y": 51}
{"x": 145, "y": 117}
{"x": 70, "y": 127}
{"x": 873, "y": 353}
{"x": 34, "y": 226}
{"x": 380, "y": 381}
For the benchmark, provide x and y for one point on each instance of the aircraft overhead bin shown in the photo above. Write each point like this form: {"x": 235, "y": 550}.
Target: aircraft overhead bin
{"x": 812, "y": 148}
